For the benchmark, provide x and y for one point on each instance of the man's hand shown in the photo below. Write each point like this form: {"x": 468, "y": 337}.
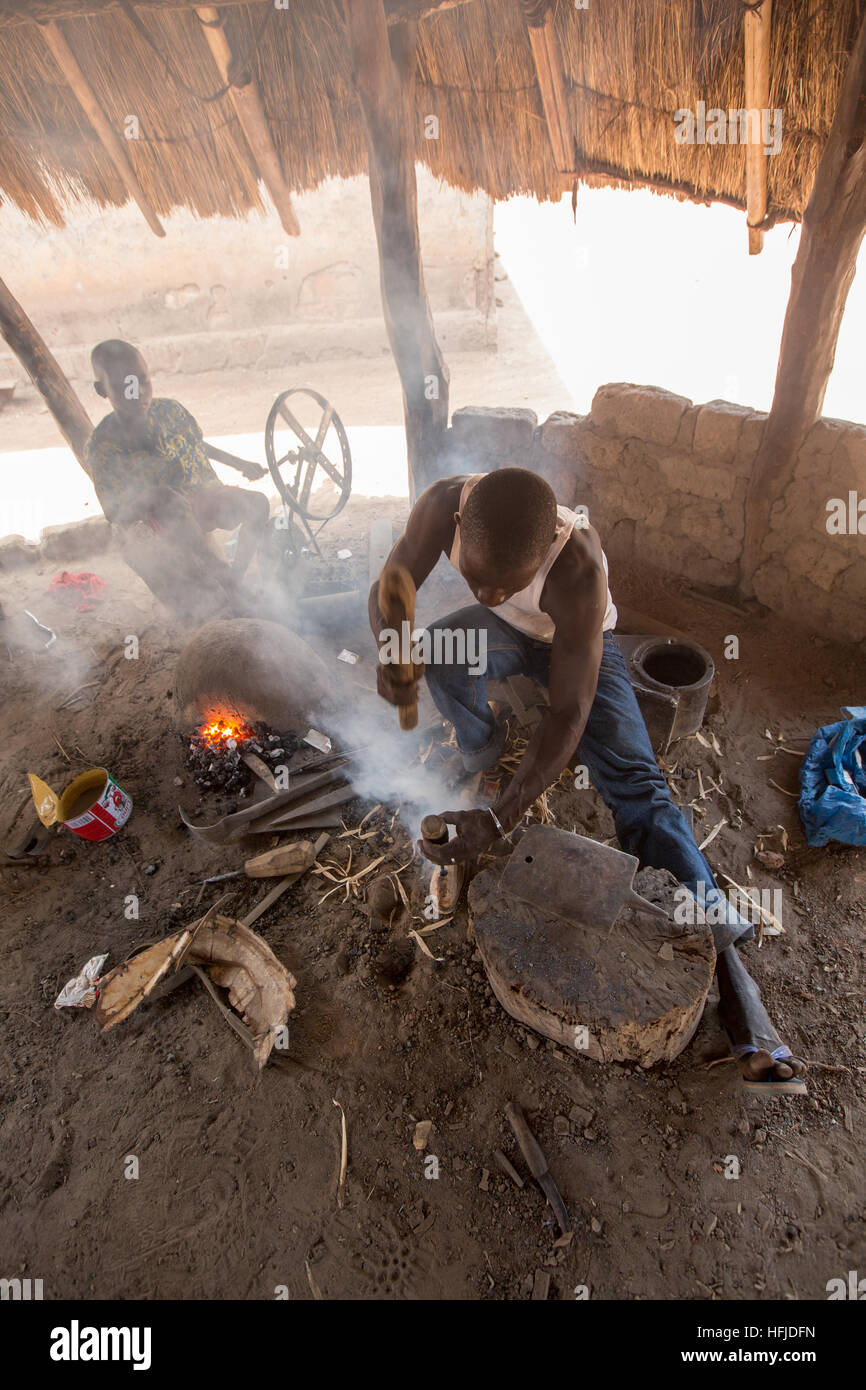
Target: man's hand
{"x": 475, "y": 831}
{"x": 393, "y": 688}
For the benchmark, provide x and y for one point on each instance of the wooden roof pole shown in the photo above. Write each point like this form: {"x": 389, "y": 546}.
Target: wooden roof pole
{"x": 756, "y": 32}
{"x": 384, "y": 66}
{"x": 112, "y": 143}
{"x": 44, "y": 372}
{"x": 833, "y": 227}
{"x": 250, "y": 110}
{"x": 548, "y": 67}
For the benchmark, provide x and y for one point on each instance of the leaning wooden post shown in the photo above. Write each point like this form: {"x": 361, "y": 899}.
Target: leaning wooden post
{"x": 384, "y": 74}
{"x": 833, "y": 226}
{"x": 249, "y": 108}
{"x": 45, "y": 373}
{"x": 113, "y": 145}
{"x": 756, "y": 32}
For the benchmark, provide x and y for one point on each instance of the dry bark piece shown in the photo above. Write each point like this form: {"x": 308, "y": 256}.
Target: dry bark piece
{"x": 123, "y": 988}
{"x": 559, "y": 977}
{"x": 260, "y": 988}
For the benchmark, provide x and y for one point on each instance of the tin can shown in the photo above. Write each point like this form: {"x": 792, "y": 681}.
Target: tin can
{"x": 94, "y": 806}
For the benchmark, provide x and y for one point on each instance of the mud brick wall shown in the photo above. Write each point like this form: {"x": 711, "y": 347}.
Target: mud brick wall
{"x": 665, "y": 484}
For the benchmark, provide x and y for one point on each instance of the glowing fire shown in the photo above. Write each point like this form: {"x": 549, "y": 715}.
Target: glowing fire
{"x": 224, "y": 732}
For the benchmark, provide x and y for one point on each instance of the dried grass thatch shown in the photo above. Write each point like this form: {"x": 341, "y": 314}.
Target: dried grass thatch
{"x": 628, "y": 65}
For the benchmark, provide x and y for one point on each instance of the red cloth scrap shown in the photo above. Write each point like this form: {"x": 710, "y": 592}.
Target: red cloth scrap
{"x": 83, "y": 591}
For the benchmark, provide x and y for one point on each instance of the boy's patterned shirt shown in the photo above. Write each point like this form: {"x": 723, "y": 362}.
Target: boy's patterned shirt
{"x": 175, "y": 458}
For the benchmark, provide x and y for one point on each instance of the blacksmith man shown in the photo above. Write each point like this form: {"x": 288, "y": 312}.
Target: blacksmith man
{"x": 541, "y": 580}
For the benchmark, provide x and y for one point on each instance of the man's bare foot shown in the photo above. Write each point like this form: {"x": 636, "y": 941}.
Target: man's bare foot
{"x": 763, "y": 1058}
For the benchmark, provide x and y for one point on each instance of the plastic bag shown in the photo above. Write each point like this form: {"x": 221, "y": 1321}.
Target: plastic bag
{"x": 833, "y": 782}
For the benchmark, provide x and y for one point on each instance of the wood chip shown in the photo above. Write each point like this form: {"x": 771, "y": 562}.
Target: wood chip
{"x": 314, "y": 1288}
{"x": 344, "y": 1154}
{"x": 795, "y": 796}
{"x": 507, "y": 1167}
{"x": 422, "y": 1134}
{"x": 712, "y": 835}
{"x": 540, "y": 1286}
{"x": 425, "y": 948}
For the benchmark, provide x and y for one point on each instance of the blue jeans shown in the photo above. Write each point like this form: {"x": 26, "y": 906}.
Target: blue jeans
{"x": 615, "y": 747}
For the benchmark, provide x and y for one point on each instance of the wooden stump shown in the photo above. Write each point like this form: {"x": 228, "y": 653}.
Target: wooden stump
{"x": 635, "y": 994}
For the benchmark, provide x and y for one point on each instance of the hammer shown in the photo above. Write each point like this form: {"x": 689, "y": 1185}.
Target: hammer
{"x": 397, "y": 605}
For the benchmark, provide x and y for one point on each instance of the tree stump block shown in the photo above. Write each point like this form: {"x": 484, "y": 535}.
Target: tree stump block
{"x": 633, "y": 994}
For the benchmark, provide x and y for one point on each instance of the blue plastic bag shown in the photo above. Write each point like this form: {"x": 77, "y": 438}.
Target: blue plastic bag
{"x": 833, "y": 782}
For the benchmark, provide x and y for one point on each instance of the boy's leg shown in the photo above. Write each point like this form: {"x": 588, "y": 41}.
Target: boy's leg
{"x": 460, "y": 696}
{"x": 216, "y": 507}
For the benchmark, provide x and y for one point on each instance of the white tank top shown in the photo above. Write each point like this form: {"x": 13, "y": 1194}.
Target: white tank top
{"x": 523, "y": 610}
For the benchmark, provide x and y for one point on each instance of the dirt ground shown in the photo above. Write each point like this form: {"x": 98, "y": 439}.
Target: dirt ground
{"x": 237, "y": 1194}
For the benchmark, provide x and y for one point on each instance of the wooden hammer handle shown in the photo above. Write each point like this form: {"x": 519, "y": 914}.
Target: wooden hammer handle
{"x": 396, "y": 599}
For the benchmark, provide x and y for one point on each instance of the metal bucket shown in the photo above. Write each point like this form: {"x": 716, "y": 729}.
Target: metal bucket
{"x": 100, "y": 815}
{"x": 679, "y": 668}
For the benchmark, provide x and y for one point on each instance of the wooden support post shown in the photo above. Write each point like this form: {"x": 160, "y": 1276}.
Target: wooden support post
{"x": 384, "y": 67}
{"x": 84, "y": 94}
{"x": 247, "y": 101}
{"x": 548, "y": 67}
{"x": 756, "y": 31}
{"x": 833, "y": 226}
{"x": 45, "y": 373}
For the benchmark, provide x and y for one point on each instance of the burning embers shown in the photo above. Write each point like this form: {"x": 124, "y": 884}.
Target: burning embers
{"x": 219, "y": 750}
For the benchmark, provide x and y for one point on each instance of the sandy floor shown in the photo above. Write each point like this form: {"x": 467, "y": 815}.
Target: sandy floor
{"x": 237, "y": 1191}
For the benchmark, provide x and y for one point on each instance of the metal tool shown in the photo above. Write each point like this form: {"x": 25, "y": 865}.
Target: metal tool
{"x": 574, "y": 877}
{"x": 534, "y": 1156}
{"x": 299, "y": 788}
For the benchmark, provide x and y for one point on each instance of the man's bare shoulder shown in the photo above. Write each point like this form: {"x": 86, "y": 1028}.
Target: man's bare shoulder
{"x": 578, "y": 570}
{"x": 433, "y": 512}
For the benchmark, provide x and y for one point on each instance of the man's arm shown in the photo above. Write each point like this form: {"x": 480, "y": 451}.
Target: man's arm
{"x": 575, "y": 596}
{"x": 429, "y": 531}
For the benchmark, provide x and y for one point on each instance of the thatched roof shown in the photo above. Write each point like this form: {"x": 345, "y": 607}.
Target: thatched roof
{"x": 627, "y": 64}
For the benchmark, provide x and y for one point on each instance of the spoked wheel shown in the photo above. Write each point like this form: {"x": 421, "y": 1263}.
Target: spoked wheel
{"x": 313, "y": 442}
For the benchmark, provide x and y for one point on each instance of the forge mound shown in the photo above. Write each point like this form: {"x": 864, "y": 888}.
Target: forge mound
{"x": 255, "y": 668}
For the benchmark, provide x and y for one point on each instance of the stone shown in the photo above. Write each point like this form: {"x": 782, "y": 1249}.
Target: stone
{"x": 492, "y": 432}
{"x": 642, "y": 412}
{"x": 72, "y": 540}
{"x": 561, "y": 434}
{"x": 560, "y": 473}
{"x": 16, "y": 552}
{"x": 686, "y": 475}
{"x": 751, "y": 434}
{"x": 601, "y": 450}
{"x": 717, "y": 430}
